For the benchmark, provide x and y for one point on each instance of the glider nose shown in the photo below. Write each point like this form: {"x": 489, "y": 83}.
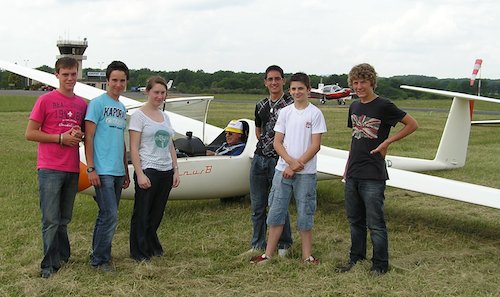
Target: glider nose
{"x": 83, "y": 179}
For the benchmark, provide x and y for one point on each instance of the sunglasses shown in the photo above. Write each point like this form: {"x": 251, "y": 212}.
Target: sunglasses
{"x": 271, "y": 79}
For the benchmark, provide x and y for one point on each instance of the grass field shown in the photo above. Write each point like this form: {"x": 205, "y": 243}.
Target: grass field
{"x": 438, "y": 247}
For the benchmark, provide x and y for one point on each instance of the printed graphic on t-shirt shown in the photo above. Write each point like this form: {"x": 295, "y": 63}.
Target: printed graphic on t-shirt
{"x": 68, "y": 118}
{"x": 67, "y": 115}
{"x": 115, "y": 117}
{"x": 365, "y": 127}
{"x": 162, "y": 138}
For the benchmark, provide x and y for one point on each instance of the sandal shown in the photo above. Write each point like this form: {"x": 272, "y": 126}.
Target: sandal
{"x": 311, "y": 260}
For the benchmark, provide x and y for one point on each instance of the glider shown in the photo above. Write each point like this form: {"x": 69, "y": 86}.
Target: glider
{"x": 205, "y": 177}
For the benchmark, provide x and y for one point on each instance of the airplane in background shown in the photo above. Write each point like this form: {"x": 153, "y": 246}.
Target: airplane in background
{"x": 143, "y": 89}
{"x": 331, "y": 92}
{"x": 202, "y": 176}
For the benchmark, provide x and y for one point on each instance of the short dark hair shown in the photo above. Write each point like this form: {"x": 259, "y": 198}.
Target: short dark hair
{"x": 301, "y": 77}
{"x": 116, "y": 65}
{"x": 66, "y": 62}
{"x": 274, "y": 68}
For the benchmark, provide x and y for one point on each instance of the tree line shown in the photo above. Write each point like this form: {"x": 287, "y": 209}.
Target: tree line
{"x": 200, "y": 82}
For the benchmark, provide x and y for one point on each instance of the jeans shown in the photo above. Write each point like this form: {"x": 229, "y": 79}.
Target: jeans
{"x": 149, "y": 206}
{"x": 364, "y": 203}
{"x": 261, "y": 177}
{"x": 107, "y": 198}
{"x": 57, "y": 195}
{"x": 303, "y": 188}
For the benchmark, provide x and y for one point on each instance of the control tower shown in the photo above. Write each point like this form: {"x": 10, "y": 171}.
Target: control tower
{"x": 74, "y": 49}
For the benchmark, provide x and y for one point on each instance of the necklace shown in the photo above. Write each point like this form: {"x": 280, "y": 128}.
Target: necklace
{"x": 274, "y": 105}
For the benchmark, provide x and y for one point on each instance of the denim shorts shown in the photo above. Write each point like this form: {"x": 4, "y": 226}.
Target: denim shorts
{"x": 303, "y": 187}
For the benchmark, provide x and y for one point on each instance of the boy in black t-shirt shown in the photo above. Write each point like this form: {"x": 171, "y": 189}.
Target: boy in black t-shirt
{"x": 371, "y": 119}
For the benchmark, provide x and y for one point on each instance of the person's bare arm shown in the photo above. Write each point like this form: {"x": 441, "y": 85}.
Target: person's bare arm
{"x": 293, "y": 164}
{"x": 70, "y": 138}
{"x": 177, "y": 180}
{"x": 126, "y": 182}
{"x": 90, "y": 128}
{"x": 142, "y": 179}
{"x": 410, "y": 125}
{"x": 33, "y": 133}
{"x": 257, "y": 132}
{"x": 312, "y": 150}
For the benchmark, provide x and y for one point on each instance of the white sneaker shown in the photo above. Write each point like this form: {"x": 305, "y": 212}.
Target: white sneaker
{"x": 251, "y": 251}
{"x": 282, "y": 252}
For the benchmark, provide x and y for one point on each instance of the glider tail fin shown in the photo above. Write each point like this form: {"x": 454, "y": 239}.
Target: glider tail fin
{"x": 452, "y": 150}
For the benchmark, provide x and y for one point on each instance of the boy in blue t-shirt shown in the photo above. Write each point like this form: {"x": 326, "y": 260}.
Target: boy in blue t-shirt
{"x": 107, "y": 167}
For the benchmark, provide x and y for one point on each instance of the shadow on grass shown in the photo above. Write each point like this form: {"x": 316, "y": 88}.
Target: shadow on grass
{"x": 444, "y": 216}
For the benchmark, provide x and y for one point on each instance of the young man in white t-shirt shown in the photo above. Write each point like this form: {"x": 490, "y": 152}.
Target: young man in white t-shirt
{"x": 297, "y": 141}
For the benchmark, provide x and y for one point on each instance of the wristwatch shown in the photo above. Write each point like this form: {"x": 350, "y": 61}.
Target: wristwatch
{"x": 90, "y": 169}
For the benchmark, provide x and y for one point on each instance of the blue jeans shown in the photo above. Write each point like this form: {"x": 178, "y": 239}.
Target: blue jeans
{"x": 303, "y": 188}
{"x": 364, "y": 203}
{"x": 107, "y": 198}
{"x": 261, "y": 177}
{"x": 149, "y": 206}
{"x": 57, "y": 195}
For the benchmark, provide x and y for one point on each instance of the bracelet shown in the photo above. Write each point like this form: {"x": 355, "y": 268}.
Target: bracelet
{"x": 60, "y": 139}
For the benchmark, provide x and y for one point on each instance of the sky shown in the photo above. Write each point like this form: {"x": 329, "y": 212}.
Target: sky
{"x": 440, "y": 38}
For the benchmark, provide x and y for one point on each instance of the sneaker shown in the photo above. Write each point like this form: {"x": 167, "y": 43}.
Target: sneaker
{"x": 105, "y": 267}
{"x": 141, "y": 259}
{"x": 311, "y": 260}
{"x": 345, "y": 268}
{"x": 282, "y": 252}
{"x": 262, "y": 259}
{"x": 377, "y": 272}
{"x": 251, "y": 251}
{"x": 46, "y": 273}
